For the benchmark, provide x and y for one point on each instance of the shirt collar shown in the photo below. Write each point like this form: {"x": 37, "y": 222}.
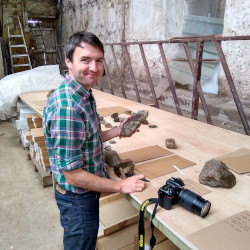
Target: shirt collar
{"x": 77, "y": 87}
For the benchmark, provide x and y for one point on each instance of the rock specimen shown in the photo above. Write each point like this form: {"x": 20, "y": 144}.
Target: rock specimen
{"x": 133, "y": 123}
{"x": 153, "y": 126}
{"x": 170, "y": 143}
{"x": 114, "y": 115}
{"x": 216, "y": 174}
{"x": 108, "y": 125}
{"x": 106, "y": 146}
{"x": 126, "y": 166}
{"x": 111, "y": 158}
{"x": 116, "y": 165}
{"x": 116, "y": 119}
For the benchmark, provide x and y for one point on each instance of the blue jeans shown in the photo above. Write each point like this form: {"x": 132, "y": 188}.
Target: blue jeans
{"x": 79, "y": 216}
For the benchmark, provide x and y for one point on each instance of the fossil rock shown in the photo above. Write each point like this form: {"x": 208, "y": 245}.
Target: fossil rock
{"x": 111, "y": 158}
{"x": 216, "y": 174}
{"x": 170, "y": 143}
{"x": 112, "y": 142}
{"x": 126, "y": 166}
{"x": 133, "y": 123}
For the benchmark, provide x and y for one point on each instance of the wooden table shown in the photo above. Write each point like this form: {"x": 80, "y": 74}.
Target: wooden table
{"x": 198, "y": 142}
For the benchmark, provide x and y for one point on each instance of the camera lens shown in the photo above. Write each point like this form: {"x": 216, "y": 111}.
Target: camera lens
{"x": 194, "y": 203}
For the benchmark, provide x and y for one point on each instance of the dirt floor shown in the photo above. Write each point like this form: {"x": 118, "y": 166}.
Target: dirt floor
{"x": 28, "y": 212}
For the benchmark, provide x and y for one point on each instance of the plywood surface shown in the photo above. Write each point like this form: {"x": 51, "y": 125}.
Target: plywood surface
{"x": 197, "y": 142}
{"x": 145, "y": 153}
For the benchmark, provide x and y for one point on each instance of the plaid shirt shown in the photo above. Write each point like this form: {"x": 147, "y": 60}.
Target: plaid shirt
{"x": 72, "y": 132}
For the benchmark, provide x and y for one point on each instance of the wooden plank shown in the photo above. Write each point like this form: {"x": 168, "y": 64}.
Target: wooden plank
{"x": 123, "y": 215}
{"x": 45, "y": 177}
{"x": 197, "y": 142}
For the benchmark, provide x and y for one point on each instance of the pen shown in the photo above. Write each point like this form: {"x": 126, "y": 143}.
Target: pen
{"x": 143, "y": 179}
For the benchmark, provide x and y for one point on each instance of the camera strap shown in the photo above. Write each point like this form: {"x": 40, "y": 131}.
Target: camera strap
{"x": 141, "y": 228}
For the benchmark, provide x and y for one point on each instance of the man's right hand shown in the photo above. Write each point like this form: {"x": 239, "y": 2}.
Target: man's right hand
{"x": 132, "y": 184}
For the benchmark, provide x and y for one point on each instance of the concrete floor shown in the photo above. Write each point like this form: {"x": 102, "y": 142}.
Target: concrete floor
{"x": 29, "y": 217}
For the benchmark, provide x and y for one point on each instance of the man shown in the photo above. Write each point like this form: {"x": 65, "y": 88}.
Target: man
{"x": 74, "y": 141}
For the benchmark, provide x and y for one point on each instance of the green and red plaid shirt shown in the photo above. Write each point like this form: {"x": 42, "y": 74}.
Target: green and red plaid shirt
{"x": 72, "y": 132}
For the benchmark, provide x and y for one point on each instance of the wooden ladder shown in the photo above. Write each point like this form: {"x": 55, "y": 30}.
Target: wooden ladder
{"x": 17, "y": 47}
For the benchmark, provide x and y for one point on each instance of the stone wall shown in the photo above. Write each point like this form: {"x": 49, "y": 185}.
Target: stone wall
{"x": 142, "y": 20}
{"x": 237, "y": 23}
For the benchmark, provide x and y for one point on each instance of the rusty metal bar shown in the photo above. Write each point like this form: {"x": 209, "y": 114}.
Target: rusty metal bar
{"x": 170, "y": 81}
{"x": 109, "y": 81}
{"x": 198, "y": 65}
{"x": 132, "y": 73}
{"x": 203, "y": 101}
{"x": 232, "y": 87}
{"x": 118, "y": 72}
{"x": 149, "y": 76}
{"x": 186, "y": 39}
{"x": 186, "y": 60}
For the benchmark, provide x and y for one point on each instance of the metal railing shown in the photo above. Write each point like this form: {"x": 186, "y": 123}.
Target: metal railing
{"x": 195, "y": 67}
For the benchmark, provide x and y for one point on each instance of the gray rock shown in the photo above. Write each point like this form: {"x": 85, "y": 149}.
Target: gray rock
{"x": 216, "y": 174}
{"x": 116, "y": 119}
{"x": 152, "y": 126}
{"x": 144, "y": 114}
{"x": 133, "y": 123}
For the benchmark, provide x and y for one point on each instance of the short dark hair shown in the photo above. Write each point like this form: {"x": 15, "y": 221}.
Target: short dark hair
{"x": 77, "y": 38}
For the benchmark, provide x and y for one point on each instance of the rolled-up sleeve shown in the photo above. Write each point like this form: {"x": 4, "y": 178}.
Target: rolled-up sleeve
{"x": 67, "y": 136}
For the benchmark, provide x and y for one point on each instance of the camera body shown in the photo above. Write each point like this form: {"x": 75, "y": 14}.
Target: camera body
{"x": 173, "y": 192}
{"x": 168, "y": 194}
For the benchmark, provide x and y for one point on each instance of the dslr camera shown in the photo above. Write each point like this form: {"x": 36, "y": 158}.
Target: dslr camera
{"x": 173, "y": 192}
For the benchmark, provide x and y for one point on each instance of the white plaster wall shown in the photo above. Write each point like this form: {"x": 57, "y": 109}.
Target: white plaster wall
{"x": 142, "y": 20}
{"x": 128, "y": 20}
{"x": 237, "y": 23}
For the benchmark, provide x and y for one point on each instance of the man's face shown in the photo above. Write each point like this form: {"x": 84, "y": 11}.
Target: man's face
{"x": 86, "y": 66}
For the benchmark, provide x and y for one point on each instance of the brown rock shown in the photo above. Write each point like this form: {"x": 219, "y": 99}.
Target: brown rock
{"x": 170, "y": 143}
{"x": 116, "y": 119}
{"x": 111, "y": 158}
{"x": 126, "y": 166}
{"x": 114, "y": 115}
{"x": 216, "y": 174}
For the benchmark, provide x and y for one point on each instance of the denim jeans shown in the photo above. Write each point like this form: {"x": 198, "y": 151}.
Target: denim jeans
{"x": 79, "y": 216}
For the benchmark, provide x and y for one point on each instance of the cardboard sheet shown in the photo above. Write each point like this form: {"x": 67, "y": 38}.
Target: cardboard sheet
{"x": 163, "y": 166}
{"x": 110, "y": 110}
{"x": 238, "y": 161}
{"x": 144, "y": 154}
{"x": 229, "y": 234}
{"x": 195, "y": 187}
